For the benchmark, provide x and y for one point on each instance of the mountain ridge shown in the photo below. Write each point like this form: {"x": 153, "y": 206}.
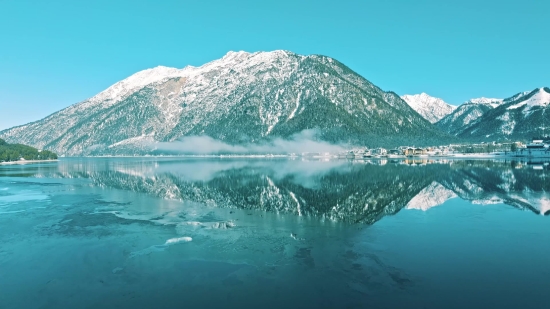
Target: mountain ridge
{"x": 240, "y": 98}
{"x": 496, "y": 119}
{"x": 518, "y": 117}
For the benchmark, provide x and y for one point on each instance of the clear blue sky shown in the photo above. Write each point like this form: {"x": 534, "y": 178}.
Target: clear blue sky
{"x": 56, "y": 53}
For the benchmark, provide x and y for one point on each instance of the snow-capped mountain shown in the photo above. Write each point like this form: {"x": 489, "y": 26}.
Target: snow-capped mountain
{"x": 496, "y": 102}
{"x": 520, "y": 117}
{"x": 431, "y": 108}
{"x": 459, "y": 119}
{"x": 485, "y": 118}
{"x": 241, "y": 98}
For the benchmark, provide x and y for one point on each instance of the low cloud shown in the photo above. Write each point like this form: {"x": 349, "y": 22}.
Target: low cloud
{"x": 304, "y": 141}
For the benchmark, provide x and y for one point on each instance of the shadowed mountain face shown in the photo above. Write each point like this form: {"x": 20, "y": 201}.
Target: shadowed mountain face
{"x": 334, "y": 190}
{"x": 241, "y": 98}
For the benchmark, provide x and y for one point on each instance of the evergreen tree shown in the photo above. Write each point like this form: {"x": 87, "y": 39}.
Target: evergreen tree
{"x": 14, "y": 152}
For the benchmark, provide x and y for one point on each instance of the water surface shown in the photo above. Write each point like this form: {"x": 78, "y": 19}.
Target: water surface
{"x": 256, "y": 233}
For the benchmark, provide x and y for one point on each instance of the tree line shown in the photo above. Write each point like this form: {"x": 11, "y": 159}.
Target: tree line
{"x": 14, "y": 152}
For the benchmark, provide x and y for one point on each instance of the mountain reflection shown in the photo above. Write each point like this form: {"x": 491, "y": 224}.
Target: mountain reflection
{"x": 355, "y": 192}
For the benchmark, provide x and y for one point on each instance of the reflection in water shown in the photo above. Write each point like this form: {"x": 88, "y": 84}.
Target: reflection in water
{"x": 335, "y": 190}
{"x": 184, "y": 233}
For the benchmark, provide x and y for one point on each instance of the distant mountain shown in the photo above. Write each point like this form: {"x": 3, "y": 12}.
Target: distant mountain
{"x": 519, "y": 117}
{"x": 460, "y": 118}
{"x": 487, "y": 119}
{"x": 431, "y": 108}
{"x": 241, "y": 98}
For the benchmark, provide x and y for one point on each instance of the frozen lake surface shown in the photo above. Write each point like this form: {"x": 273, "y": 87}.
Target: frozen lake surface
{"x": 257, "y": 233}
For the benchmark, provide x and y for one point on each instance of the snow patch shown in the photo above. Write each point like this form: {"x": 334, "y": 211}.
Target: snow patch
{"x": 297, "y": 106}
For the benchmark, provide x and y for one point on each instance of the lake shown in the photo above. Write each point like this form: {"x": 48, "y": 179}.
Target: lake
{"x": 274, "y": 233}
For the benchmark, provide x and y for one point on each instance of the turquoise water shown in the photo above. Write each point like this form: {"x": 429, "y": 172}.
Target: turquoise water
{"x": 256, "y": 233}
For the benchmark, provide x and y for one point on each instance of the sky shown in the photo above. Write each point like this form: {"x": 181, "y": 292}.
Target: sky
{"x": 57, "y": 53}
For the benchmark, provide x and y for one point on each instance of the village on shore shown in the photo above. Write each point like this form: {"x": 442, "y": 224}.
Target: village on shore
{"x": 537, "y": 148}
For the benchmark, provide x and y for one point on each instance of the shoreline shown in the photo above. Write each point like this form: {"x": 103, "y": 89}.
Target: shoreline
{"x": 330, "y": 156}
{"x": 27, "y": 162}
{"x": 320, "y": 156}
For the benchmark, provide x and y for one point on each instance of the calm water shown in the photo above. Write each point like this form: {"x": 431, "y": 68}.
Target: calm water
{"x": 184, "y": 233}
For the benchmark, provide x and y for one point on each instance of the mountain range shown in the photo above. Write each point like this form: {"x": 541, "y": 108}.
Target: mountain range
{"x": 241, "y": 98}
{"x": 519, "y": 117}
{"x": 257, "y": 98}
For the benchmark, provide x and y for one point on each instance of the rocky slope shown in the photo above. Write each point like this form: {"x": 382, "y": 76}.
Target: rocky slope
{"x": 241, "y": 98}
{"x": 431, "y": 108}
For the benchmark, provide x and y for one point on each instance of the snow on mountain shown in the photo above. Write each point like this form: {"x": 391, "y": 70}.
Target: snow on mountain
{"x": 464, "y": 115}
{"x": 433, "y": 195}
{"x": 539, "y": 98}
{"x": 241, "y": 98}
{"x": 521, "y": 116}
{"x": 491, "y": 101}
{"x": 139, "y": 80}
{"x": 120, "y": 90}
{"x": 431, "y": 108}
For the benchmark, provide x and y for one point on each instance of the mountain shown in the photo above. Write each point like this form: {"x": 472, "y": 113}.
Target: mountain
{"x": 431, "y": 108}
{"x": 460, "y": 118}
{"x": 520, "y": 117}
{"x": 475, "y": 113}
{"x": 242, "y": 98}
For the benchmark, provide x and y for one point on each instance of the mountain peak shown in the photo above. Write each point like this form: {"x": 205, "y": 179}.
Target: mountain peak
{"x": 135, "y": 82}
{"x": 538, "y": 97}
{"x": 431, "y": 108}
{"x": 232, "y": 53}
